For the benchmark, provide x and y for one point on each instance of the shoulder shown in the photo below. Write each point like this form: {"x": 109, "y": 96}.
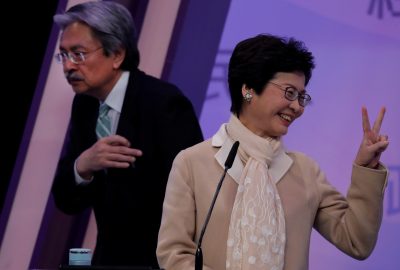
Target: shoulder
{"x": 200, "y": 152}
{"x": 154, "y": 85}
{"x": 299, "y": 156}
{"x": 196, "y": 162}
{"x": 303, "y": 161}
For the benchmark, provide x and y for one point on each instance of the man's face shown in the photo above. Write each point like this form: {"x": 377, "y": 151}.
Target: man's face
{"x": 97, "y": 73}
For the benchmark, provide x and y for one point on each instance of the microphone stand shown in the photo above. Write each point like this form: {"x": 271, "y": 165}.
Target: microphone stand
{"x": 228, "y": 164}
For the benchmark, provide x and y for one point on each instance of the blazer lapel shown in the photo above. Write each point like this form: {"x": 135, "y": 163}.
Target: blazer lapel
{"x": 129, "y": 118}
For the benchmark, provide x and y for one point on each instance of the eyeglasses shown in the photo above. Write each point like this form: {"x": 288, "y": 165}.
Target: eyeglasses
{"x": 292, "y": 94}
{"x": 74, "y": 57}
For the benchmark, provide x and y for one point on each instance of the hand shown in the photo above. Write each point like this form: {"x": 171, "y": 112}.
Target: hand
{"x": 109, "y": 152}
{"x": 373, "y": 143}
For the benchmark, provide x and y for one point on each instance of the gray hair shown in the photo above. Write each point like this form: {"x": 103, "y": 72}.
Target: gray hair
{"x": 111, "y": 23}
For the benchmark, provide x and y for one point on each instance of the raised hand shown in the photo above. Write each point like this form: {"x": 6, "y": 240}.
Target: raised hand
{"x": 109, "y": 152}
{"x": 373, "y": 143}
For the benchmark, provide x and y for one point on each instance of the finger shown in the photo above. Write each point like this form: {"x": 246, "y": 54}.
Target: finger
{"x": 379, "y": 147}
{"x": 117, "y": 140}
{"x": 365, "y": 120}
{"x": 121, "y": 158}
{"x": 118, "y": 164}
{"x": 126, "y": 151}
{"x": 131, "y": 152}
{"x": 378, "y": 122}
{"x": 371, "y": 137}
{"x": 135, "y": 152}
{"x": 383, "y": 138}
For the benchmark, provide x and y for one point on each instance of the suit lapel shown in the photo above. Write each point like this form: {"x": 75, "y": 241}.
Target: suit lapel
{"x": 129, "y": 121}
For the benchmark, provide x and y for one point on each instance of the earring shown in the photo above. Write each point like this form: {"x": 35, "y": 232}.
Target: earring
{"x": 248, "y": 96}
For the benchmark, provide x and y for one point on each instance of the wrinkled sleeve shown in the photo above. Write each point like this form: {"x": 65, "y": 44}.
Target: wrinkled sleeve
{"x": 352, "y": 223}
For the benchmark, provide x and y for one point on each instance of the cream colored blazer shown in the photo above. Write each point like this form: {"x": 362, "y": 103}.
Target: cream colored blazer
{"x": 350, "y": 223}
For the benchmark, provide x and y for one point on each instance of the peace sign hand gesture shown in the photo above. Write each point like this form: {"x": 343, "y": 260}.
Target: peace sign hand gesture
{"x": 373, "y": 143}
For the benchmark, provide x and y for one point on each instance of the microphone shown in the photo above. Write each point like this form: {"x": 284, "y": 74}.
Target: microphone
{"x": 198, "y": 263}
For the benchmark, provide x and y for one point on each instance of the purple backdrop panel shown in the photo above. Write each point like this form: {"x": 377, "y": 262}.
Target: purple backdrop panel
{"x": 357, "y": 50}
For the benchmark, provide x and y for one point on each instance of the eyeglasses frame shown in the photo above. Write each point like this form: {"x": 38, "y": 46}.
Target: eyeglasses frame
{"x": 62, "y": 57}
{"x": 299, "y": 96}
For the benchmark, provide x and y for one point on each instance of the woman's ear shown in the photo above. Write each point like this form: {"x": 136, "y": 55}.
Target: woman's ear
{"x": 244, "y": 89}
{"x": 247, "y": 93}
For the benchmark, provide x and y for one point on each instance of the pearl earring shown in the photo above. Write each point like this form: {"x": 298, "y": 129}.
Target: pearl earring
{"x": 248, "y": 96}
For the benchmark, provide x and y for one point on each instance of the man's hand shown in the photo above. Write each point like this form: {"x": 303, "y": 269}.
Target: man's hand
{"x": 109, "y": 152}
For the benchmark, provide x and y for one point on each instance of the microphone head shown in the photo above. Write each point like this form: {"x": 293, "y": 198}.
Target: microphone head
{"x": 231, "y": 155}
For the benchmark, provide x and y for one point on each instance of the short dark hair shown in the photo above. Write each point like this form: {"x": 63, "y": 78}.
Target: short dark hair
{"x": 111, "y": 23}
{"x": 256, "y": 60}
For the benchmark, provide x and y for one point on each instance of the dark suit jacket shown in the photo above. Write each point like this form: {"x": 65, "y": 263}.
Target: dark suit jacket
{"x": 156, "y": 118}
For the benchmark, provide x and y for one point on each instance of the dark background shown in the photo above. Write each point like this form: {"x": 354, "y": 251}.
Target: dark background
{"x": 26, "y": 28}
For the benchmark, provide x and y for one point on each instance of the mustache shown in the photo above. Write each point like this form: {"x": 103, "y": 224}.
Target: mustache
{"x": 71, "y": 76}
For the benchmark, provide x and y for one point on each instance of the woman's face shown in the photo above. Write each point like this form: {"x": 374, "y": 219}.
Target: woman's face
{"x": 270, "y": 114}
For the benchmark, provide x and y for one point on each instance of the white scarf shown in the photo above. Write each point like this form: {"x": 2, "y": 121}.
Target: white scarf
{"x": 257, "y": 237}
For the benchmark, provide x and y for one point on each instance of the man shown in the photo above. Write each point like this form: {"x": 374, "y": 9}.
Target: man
{"x": 117, "y": 160}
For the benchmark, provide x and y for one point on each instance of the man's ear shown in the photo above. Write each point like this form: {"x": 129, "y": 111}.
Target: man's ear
{"x": 119, "y": 57}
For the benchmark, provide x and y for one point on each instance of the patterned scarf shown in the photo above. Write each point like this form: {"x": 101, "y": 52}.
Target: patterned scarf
{"x": 256, "y": 238}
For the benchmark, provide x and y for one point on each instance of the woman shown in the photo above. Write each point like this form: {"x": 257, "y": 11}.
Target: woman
{"x": 271, "y": 199}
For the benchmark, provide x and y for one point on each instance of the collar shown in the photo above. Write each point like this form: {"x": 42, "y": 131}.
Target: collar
{"x": 115, "y": 99}
{"x": 279, "y": 166}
